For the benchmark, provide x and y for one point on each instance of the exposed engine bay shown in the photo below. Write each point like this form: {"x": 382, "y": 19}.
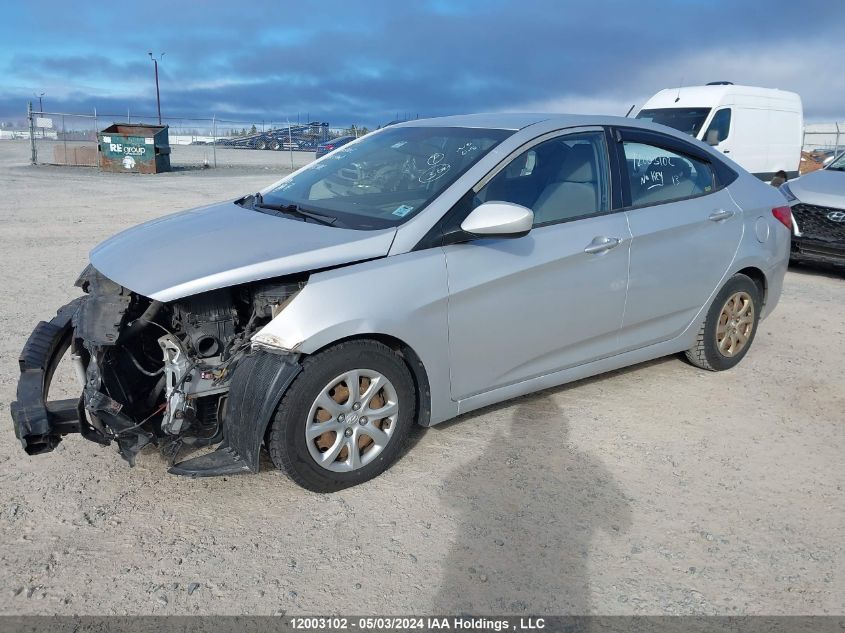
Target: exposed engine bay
{"x": 151, "y": 372}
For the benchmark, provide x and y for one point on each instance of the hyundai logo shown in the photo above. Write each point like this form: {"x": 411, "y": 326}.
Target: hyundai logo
{"x": 836, "y": 216}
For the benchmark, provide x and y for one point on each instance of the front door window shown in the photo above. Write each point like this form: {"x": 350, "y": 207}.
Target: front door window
{"x": 561, "y": 179}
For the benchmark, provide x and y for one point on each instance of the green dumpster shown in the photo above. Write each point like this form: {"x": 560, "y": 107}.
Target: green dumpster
{"x": 137, "y": 148}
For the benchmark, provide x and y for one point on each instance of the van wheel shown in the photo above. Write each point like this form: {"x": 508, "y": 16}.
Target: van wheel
{"x": 730, "y": 326}
{"x": 345, "y": 418}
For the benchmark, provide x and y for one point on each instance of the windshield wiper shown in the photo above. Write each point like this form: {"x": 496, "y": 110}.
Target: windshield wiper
{"x": 293, "y": 209}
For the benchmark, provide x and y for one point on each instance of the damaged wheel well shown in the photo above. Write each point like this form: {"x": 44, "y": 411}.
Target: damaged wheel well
{"x": 412, "y": 360}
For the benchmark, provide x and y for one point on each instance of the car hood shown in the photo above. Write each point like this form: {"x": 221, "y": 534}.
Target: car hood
{"x": 223, "y": 245}
{"x": 825, "y": 188}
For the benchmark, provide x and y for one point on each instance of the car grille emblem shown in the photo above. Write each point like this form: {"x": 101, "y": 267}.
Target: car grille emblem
{"x": 836, "y": 216}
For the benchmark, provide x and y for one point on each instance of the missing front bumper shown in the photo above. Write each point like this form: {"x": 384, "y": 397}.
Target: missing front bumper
{"x": 40, "y": 425}
{"x": 258, "y": 383}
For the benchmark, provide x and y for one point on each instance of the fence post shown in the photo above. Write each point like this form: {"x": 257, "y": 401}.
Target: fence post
{"x": 290, "y": 145}
{"x": 96, "y": 140}
{"x": 34, "y": 156}
{"x": 214, "y": 138}
{"x": 64, "y": 139}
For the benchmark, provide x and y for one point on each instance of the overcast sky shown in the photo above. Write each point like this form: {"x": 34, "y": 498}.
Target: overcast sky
{"x": 363, "y": 62}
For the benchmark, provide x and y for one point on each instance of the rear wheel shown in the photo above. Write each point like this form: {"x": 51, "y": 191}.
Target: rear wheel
{"x": 730, "y": 326}
{"x": 345, "y": 418}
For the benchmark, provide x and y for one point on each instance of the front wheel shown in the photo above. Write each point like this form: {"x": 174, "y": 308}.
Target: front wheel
{"x": 730, "y": 326}
{"x": 345, "y": 418}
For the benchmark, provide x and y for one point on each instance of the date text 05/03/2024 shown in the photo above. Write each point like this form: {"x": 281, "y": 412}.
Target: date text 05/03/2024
{"x": 457, "y": 623}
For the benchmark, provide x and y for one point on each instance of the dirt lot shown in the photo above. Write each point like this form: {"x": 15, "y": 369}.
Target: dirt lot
{"x": 659, "y": 489}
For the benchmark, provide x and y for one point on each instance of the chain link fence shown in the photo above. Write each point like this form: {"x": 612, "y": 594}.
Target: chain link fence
{"x": 822, "y": 143}
{"x": 61, "y": 138}
{"x": 824, "y": 137}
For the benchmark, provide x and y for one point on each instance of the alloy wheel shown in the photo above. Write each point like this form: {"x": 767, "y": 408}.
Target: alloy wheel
{"x": 736, "y": 322}
{"x": 352, "y": 420}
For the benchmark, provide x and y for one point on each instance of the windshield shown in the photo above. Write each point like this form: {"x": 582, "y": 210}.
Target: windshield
{"x": 838, "y": 164}
{"x": 687, "y": 120}
{"x": 386, "y": 178}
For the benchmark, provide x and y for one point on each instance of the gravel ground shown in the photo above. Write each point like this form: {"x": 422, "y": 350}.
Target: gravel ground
{"x": 658, "y": 489}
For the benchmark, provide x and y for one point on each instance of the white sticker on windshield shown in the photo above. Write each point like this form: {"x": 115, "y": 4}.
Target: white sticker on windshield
{"x": 402, "y": 210}
{"x": 398, "y": 145}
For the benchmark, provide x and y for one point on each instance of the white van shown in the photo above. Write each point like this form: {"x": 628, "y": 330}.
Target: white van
{"x": 761, "y": 129}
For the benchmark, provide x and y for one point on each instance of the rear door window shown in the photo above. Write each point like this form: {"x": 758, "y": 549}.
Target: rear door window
{"x": 659, "y": 175}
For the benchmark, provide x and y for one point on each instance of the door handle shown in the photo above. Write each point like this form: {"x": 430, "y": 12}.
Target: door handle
{"x": 602, "y": 244}
{"x": 720, "y": 214}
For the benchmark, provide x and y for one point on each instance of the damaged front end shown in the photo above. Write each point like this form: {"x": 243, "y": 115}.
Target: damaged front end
{"x": 152, "y": 372}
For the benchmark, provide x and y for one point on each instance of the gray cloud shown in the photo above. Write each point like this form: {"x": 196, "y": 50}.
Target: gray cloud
{"x": 341, "y": 64}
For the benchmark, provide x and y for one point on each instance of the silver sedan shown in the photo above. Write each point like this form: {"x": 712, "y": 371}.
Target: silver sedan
{"x": 818, "y": 213}
{"x": 417, "y": 273}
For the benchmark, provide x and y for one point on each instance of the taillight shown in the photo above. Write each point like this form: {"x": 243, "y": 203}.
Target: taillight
{"x": 784, "y": 215}
{"x": 329, "y": 147}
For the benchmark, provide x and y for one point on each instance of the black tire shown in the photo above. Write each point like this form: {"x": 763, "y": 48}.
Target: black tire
{"x": 275, "y": 145}
{"x": 261, "y": 144}
{"x": 286, "y": 440}
{"x": 705, "y": 353}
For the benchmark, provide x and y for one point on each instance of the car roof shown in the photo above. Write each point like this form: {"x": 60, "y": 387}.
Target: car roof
{"x": 518, "y": 121}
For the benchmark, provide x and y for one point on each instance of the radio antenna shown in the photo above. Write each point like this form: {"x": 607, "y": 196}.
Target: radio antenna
{"x": 678, "y": 97}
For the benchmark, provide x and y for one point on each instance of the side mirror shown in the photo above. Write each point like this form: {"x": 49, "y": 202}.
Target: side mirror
{"x": 712, "y": 137}
{"x": 499, "y": 219}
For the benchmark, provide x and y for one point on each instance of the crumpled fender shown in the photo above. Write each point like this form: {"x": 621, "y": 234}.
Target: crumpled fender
{"x": 259, "y": 381}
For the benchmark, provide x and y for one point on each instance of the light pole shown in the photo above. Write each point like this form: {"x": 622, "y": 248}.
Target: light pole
{"x": 158, "y": 96}
{"x": 41, "y": 109}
